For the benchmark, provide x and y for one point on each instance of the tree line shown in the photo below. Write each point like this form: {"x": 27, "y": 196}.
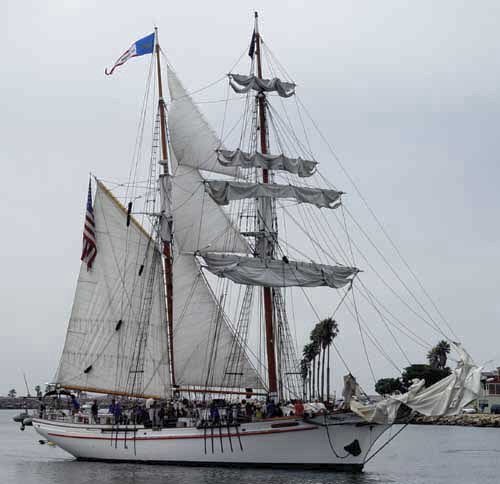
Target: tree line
{"x": 316, "y": 359}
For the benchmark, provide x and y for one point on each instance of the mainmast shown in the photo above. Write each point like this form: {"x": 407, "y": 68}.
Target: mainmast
{"x": 265, "y": 247}
{"x": 167, "y": 245}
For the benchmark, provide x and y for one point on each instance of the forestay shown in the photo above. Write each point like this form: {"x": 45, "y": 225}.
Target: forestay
{"x": 224, "y": 191}
{"x": 242, "y": 84}
{"x": 200, "y": 328}
{"x": 446, "y": 397}
{"x": 238, "y": 158}
{"x": 111, "y": 312}
{"x": 192, "y": 139}
{"x": 277, "y": 273}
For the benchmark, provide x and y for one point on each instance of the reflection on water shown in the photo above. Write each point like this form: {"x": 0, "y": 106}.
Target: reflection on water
{"x": 420, "y": 455}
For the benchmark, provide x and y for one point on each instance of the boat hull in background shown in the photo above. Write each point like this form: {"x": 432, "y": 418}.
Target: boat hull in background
{"x": 285, "y": 443}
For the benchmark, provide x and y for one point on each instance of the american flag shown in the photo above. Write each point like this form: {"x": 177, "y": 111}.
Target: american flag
{"x": 89, "y": 250}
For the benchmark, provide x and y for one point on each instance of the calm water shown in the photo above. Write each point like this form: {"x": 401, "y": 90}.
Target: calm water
{"x": 419, "y": 455}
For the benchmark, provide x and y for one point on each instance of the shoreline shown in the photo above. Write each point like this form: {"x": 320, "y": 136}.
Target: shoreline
{"x": 464, "y": 420}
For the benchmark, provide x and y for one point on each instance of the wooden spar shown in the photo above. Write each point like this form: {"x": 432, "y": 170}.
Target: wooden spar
{"x": 268, "y": 298}
{"x": 110, "y": 392}
{"x": 219, "y": 392}
{"x": 158, "y": 397}
{"x": 167, "y": 246}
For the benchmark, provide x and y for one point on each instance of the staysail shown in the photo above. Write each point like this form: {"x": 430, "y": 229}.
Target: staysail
{"x": 192, "y": 139}
{"x": 199, "y": 223}
{"x": 119, "y": 304}
{"x": 199, "y": 326}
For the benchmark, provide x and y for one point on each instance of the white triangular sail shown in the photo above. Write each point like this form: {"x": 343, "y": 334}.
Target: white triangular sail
{"x": 193, "y": 141}
{"x": 116, "y": 306}
{"x": 256, "y": 271}
{"x": 200, "y": 329}
{"x": 223, "y": 192}
{"x": 199, "y": 222}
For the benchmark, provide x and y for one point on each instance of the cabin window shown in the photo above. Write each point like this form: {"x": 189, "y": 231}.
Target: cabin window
{"x": 494, "y": 388}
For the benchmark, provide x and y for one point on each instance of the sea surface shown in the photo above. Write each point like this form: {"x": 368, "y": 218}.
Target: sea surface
{"x": 419, "y": 455}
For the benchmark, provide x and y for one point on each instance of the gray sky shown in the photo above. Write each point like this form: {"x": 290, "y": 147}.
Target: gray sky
{"x": 407, "y": 92}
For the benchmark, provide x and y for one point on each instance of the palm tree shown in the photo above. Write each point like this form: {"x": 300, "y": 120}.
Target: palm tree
{"x": 438, "y": 355}
{"x": 316, "y": 341}
{"x": 433, "y": 358}
{"x": 309, "y": 353}
{"x": 330, "y": 331}
{"x": 443, "y": 349}
{"x": 304, "y": 371}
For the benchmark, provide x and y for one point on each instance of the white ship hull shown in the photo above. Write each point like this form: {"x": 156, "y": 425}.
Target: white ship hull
{"x": 283, "y": 443}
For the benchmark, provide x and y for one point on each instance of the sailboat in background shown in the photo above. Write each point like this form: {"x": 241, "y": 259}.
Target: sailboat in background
{"x": 151, "y": 313}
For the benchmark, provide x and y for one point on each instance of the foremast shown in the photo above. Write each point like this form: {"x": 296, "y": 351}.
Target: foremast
{"x": 265, "y": 246}
{"x": 167, "y": 242}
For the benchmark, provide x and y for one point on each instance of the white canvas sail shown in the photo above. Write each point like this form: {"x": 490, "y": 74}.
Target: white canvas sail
{"x": 256, "y": 271}
{"x": 223, "y": 192}
{"x": 199, "y": 328}
{"x": 199, "y": 221}
{"x": 193, "y": 141}
{"x": 243, "y": 83}
{"x": 296, "y": 166}
{"x": 446, "y": 397}
{"x": 100, "y": 352}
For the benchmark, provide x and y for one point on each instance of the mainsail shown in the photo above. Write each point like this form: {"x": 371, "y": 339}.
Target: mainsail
{"x": 117, "y": 336}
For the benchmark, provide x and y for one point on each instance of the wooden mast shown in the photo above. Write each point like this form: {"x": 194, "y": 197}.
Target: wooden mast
{"x": 167, "y": 246}
{"x": 268, "y": 223}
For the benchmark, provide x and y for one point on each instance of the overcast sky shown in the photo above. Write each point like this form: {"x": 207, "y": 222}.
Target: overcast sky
{"x": 407, "y": 92}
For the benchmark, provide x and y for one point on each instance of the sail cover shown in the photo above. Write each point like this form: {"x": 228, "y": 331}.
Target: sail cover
{"x": 202, "y": 335}
{"x": 297, "y": 166}
{"x": 224, "y": 191}
{"x": 192, "y": 139}
{"x": 114, "y": 309}
{"x": 242, "y": 83}
{"x": 255, "y": 271}
{"x": 446, "y": 397}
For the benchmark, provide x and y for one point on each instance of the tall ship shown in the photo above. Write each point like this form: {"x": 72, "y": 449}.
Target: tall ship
{"x": 191, "y": 273}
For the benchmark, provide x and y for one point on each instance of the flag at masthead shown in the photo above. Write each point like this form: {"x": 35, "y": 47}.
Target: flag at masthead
{"x": 142, "y": 46}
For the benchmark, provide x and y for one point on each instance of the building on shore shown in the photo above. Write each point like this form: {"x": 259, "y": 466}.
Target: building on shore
{"x": 490, "y": 391}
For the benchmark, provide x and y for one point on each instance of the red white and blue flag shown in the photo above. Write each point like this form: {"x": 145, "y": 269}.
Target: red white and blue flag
{"x": 141, "y": 47}
{"x": 89, "y": 250}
